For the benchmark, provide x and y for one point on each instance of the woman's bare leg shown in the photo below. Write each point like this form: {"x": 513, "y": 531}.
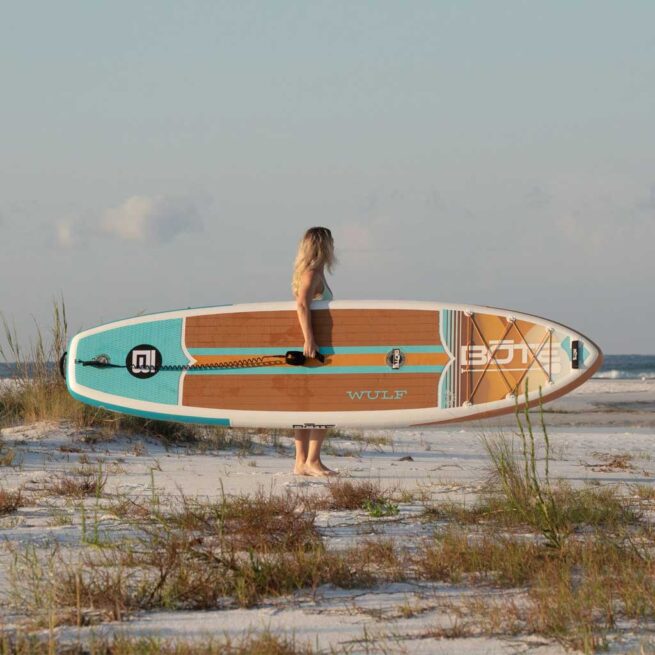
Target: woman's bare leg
{"x": 313, "y": 463}
{"x": 302, "y": 448}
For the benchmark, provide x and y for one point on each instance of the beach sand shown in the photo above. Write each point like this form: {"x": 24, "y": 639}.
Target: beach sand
{"x": 589, "y": 429}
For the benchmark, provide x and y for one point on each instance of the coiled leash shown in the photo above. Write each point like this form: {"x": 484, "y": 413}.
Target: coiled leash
{"x": 291, "y": 357}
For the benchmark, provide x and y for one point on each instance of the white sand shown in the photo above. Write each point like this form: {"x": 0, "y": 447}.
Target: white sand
{"x": 602, "y": 419}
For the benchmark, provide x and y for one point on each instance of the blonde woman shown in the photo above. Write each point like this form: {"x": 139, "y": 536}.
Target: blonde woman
{"x": 315, "y": 254}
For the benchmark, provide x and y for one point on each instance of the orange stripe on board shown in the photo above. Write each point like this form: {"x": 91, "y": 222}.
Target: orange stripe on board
{"x": 366, "y": 359}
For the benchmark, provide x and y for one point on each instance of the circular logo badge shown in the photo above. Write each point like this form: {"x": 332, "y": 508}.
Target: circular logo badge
{"x": 143, "y": 361}
{"x": 395, "y": 358}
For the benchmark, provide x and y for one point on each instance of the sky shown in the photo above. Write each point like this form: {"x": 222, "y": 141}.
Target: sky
{"x": 158, "y": 154}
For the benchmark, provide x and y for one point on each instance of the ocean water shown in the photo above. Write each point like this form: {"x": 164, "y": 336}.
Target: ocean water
{"x": 9, "y": 370}
{"x": 6, "y": 370}
{"x": 627, "y": 367}
{"x": 615, "y": 367}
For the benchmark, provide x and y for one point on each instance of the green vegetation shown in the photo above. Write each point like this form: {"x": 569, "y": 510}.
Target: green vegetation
{"x": 264, "y": 643}
{"x": 345, "y": 494}
{"x": 188, "y": 553}
{"x": 380, "y": 508}
{"x": 38, "y": 392}
{"x": 525, "y": 490}
{"x": 85, "y": 481}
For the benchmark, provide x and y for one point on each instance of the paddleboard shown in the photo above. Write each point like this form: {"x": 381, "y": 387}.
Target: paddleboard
{"x": 385, "y": 364}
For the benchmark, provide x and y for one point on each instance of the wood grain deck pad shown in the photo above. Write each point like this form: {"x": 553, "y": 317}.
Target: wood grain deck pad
{"x": 321, "y": 393}
{"x": 332, "y": 327}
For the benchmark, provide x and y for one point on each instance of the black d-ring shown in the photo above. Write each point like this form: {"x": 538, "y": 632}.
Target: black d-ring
{"x": 62, "y": 364}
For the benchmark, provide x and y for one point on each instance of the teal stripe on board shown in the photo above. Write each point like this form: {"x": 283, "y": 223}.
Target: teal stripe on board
{"x": 566, "y": 346}
{"x": 451, "y": 345}
{"x": 319, "y": 370}
{"x": 444, "y": 316}
{"x": 327, "y": 350}
{"x": 447, "y": 382}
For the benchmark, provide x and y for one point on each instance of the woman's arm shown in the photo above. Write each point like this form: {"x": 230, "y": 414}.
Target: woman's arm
{"x": 306, "y": 288}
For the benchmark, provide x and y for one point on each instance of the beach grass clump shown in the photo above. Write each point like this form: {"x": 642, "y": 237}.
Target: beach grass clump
{"x": 262, "y": 522}
{"x": 645, "y": 493}
{"x": 7, "y": 455}
{"x": 580, "y": 596}
{"x": 344, "y": 494}
{"x": 168, "y": 432}
{"x": 456, "y": 556}
{"x": 382, "y": 558}
{"x": 37, "y": 392}
{"x": 574, "y": 594}
{"x": 200, "y": 438}
{"x": 195, "y": 555}
{"x": 259, "y": 643}
{"x": 222, "y": 438}
{"x": 598, "y": 507}
{"x": 460, "y": 513}
{"x": 81, "y": 482}
{"x": 577, "y": 509}
{"x": 123, "y": 506}
{"x": 173, "y": 570}
{"x": 524, "y": 489}
{"x": 521, "y": 492}
{"x": 10, "y": 501}
{"x": 274, "y": 437}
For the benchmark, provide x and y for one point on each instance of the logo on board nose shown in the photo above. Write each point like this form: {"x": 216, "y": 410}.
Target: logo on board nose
{"x": 143, "y": 361}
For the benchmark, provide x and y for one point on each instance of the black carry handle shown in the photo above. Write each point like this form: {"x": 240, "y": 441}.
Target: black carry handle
{"x": 297, "y": 358}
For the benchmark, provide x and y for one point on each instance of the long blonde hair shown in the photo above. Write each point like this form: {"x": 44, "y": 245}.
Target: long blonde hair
{"x": 315, "y": 251}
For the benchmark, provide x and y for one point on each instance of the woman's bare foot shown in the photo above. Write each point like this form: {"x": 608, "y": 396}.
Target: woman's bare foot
{"x": 299, "y": 469}
{"x": 318, "y": 470}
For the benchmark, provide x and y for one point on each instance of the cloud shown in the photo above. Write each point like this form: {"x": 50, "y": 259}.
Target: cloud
{"x": 65, "y": 234}
{"x": 146, "y": 218}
